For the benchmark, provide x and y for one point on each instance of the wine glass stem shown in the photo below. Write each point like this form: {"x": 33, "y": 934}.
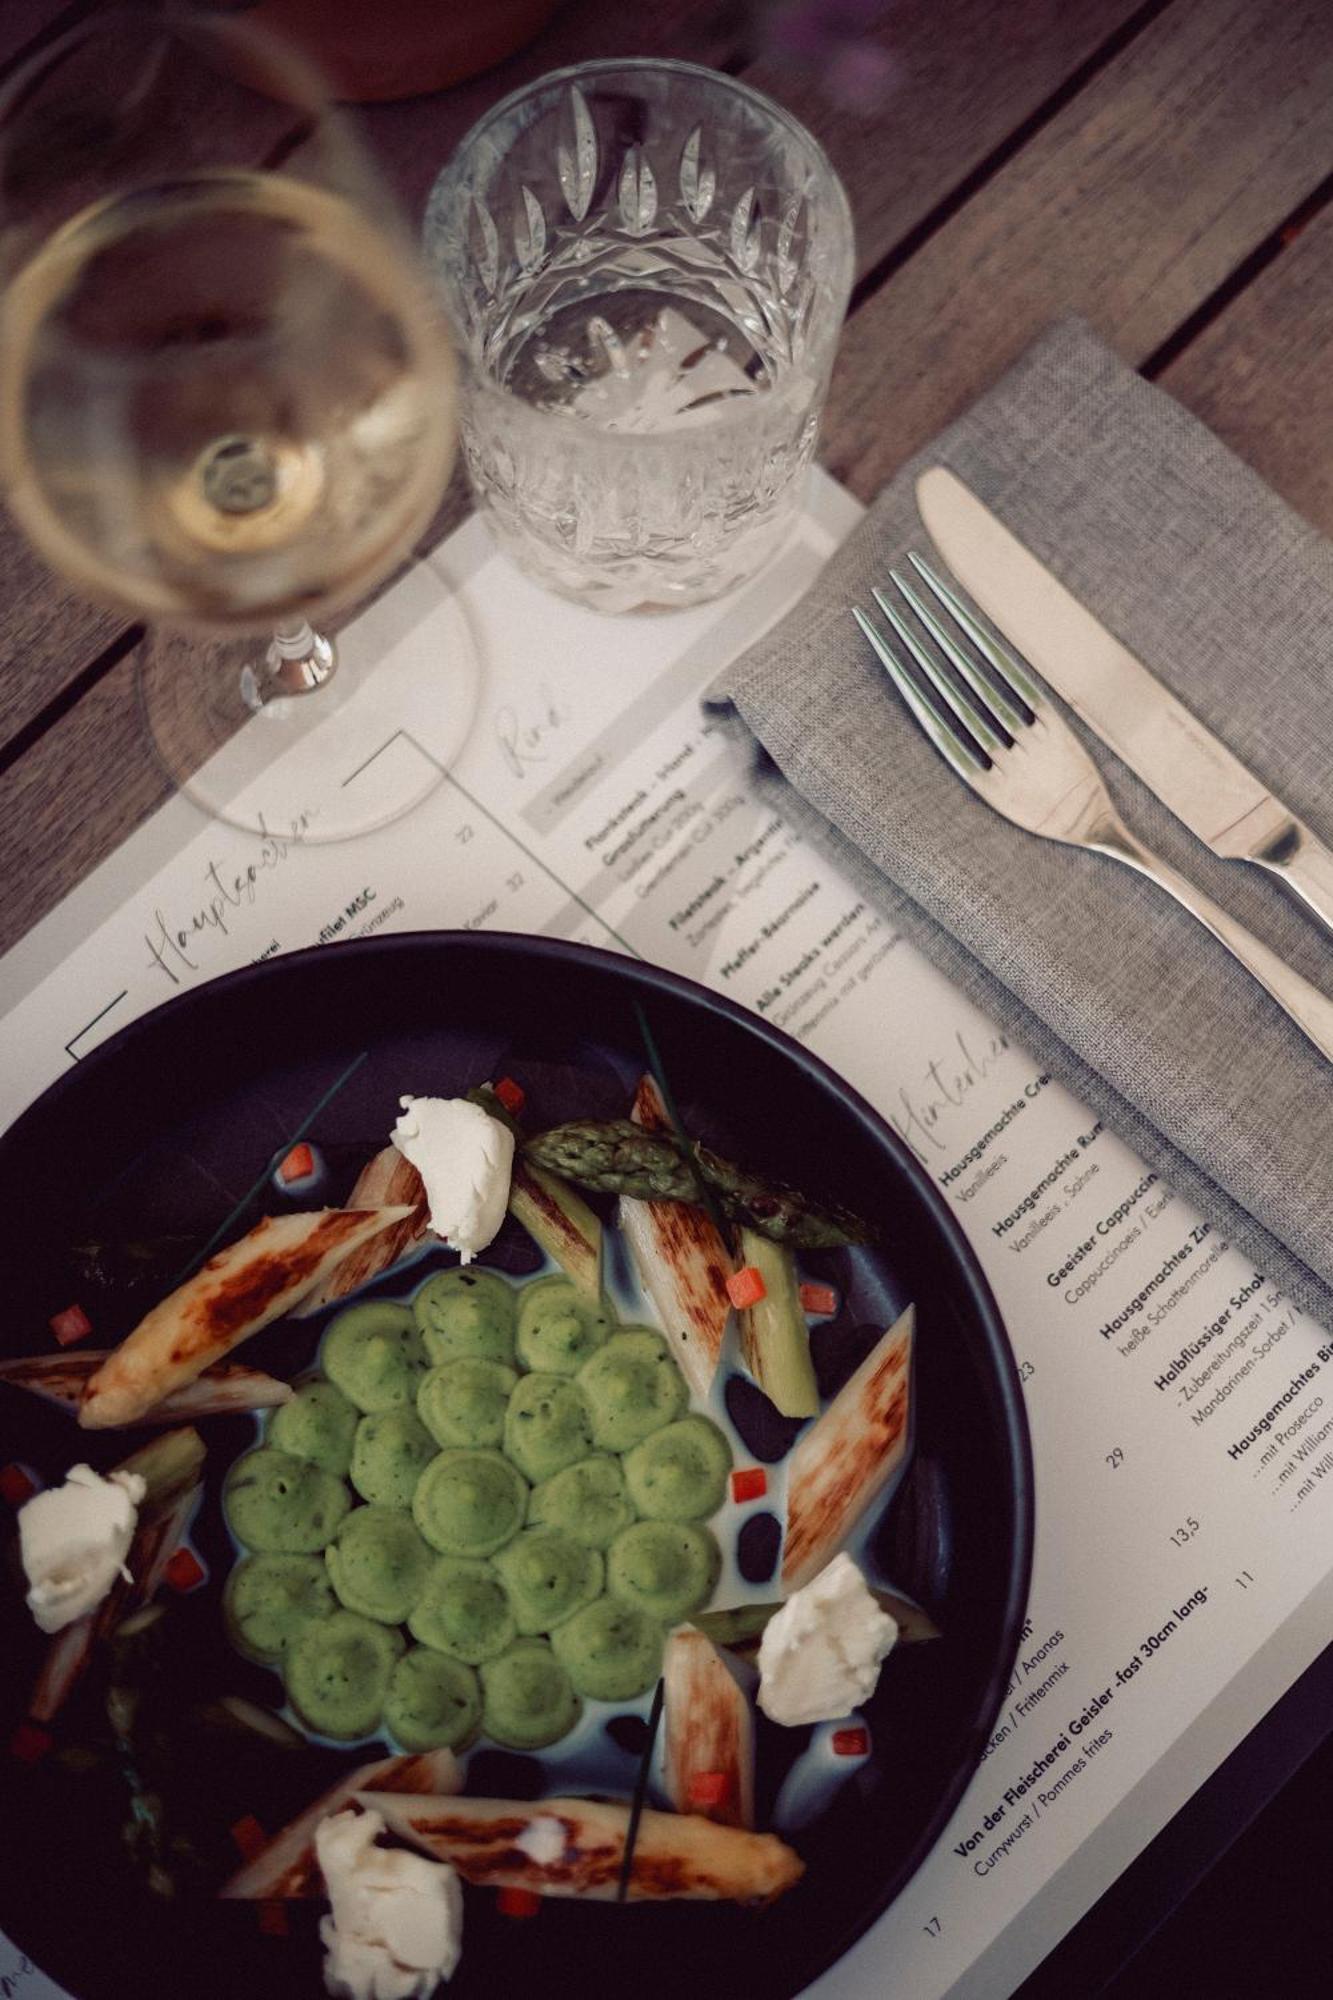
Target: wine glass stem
{"x": 299, "y": 660}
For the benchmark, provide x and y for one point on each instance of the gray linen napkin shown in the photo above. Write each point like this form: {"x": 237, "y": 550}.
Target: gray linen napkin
{"x": 1228, "y": 596}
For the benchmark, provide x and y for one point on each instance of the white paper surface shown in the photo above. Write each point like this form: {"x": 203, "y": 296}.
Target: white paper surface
{"x": 1181, "y": 1410}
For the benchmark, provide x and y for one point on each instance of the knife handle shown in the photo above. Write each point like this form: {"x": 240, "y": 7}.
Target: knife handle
{"x": 1302, "y": 861}
{"x": 1310, "y": 1009}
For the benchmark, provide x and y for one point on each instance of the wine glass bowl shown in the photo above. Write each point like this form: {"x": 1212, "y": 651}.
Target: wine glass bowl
{"x": 226, "y": 395}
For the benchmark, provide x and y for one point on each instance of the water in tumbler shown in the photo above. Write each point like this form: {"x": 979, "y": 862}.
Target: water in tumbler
{"x": 646, "y": 300}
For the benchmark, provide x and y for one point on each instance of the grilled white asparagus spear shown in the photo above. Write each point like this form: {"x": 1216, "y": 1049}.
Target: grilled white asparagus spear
{"x": 387, "y": 1181}
{"x": 709, "y": 1739}
{"x": 236, "y": 1293}
{"x": 681, "y": 1260}
{"x": 225, "y": 1389}
{"x": 848, "y": 1455}
{"x": 675, "y": 1854}
{"x": 287, "y": 1866}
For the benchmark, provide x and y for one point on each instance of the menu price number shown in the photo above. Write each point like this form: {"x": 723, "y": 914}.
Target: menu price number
{"x": 933, "y": 1928}
{"x": 464, "y": 833}
{"x": 1245, "y": 1579}
{"x": 1115, "y": 1457}
{"x": 1180, "y": 1537}
{"x": 1026, "y": 1371}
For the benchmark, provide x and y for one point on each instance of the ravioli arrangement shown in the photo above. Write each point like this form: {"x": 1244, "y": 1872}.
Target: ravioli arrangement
{"x": 487, "y": 1508}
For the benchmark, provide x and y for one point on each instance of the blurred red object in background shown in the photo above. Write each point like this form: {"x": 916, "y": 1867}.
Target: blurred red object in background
{"x": 371, "y": 50}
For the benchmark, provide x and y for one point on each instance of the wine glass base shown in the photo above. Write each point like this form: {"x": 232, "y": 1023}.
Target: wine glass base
{"x": 340, "y": 760}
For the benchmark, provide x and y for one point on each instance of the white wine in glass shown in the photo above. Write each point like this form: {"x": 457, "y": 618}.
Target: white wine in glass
{"x": 226, "y": 398}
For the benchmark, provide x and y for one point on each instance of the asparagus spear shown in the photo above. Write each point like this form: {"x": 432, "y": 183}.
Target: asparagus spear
{"x": 616, "y": 1156}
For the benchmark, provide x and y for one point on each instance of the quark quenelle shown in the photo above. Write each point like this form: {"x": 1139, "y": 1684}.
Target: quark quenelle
{"x": 465, "y": 1159}
{"x": 74, "y": 1540}
{"x": 397, "y": 1924}
{"x": 821, "y": 1654}
{"x": 543, "y": 1840}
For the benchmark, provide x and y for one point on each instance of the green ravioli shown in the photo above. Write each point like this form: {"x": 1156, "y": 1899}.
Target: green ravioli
{"x": 433, "y": 1702}
{"x": 379, "y": 1563}
{"x": 337, "y": 1674}
{"x": 469, "y": 1503}
{"x": 466, "y": 1312}
{"x": 282, "y": 1505}
{"x": 464, "y": 1611}
{"x": 680, "y": 1473}
{"x": 269, "y": 1599}
{"x": 546, "y": 1425}
{"x": 559, "y": 1327}
{"x": 391, "y": 1451}
{"x": 632, "y": 1387}
{"x": 462, "y": 1403}
{"x": 529, "y": 1701}
{"x": 319, "y": 1424}
{"x": 373, "y": 1353}
{"x": 548, "y": 1576}
{"x": 612, "y": 1651}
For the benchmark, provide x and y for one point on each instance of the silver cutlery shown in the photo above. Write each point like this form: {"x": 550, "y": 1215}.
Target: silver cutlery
{"x": 1116, "y": 696}
{"x": 1008, "y": 743}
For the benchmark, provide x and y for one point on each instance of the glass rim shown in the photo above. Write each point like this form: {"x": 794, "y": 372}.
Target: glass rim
{"x": 655, "y": 65}
{"x": 452, "y": 174}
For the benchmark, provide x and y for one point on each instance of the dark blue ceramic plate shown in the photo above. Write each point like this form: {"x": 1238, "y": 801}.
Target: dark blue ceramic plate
{"x": 169, "y": 1130}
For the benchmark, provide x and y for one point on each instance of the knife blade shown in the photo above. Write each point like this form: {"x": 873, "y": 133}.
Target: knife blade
{"x": 1193, "y": 774}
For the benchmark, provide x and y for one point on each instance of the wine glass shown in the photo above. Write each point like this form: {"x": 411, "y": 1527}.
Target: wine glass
{"x": 227, "y": 407}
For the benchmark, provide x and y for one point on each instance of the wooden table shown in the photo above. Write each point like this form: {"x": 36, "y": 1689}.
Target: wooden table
{"x": 1164, "y": 167}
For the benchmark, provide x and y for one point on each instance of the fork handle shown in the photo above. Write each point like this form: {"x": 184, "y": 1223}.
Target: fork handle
{"x": 1308, "y": 1007}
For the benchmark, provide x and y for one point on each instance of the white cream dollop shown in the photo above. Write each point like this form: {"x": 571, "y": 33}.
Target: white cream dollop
{"x": 396, "y": 1929}
{"x": 465, "y": 1158}
{"x": 543, "y": 1840}
{"x": 820, "y": 1655}
{"x": 74, "y": 1540}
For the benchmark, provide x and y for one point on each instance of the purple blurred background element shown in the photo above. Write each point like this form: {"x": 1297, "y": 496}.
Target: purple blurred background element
{"x": 840, "y": 42}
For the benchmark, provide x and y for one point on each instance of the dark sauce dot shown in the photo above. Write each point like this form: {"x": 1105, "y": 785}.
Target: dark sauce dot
{"x": 629, "y": 1733}
{"x": 500, "y": 1774}
{"x": 757, "y": 1547}
{"x": 766, "y": 1434}
{"x": 838, "y": 1348}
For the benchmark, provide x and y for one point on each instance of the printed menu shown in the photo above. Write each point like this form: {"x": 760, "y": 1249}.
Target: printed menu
{"x": 1181, "y": 1408}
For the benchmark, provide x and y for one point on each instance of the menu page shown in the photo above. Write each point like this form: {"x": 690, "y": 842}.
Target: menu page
{"x": 1181, "y": 1408}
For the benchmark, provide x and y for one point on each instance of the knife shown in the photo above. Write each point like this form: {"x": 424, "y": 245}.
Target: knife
{"x": 1194, "y": 775}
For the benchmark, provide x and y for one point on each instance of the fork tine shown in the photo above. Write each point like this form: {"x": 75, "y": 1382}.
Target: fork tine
{"x": 955, "y": 701}
{"x": 995, "y": 696}
{"x": 959, "y": 756}
{"x": 1006, "y": 664}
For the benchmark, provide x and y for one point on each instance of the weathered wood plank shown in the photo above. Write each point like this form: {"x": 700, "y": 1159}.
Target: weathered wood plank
{"x": 1260, "y": 374}
{"x": 1131, "y": 206}
{"x": 964, "y": 76}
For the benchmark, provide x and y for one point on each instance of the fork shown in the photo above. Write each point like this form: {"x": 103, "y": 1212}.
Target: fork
{"x": 1005, "y": 740}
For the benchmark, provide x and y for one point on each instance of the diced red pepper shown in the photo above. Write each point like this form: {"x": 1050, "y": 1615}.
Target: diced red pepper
{"x": 184, "y": 1571}
{"x": 850, "y": 1742}
{"x": 29, "y": 1743}
{"x": 518, "y": 1902}
{"x": 749, "y": 1483}
{"x": 298, "y": 1165}
{"x": 512, "y": 1095}
{"x": 746, "y": 1287}
{"x": 707, "y": 1788}
{"x": 71, "y": 1325}
{"x": 249, "y": 1836}
{"x": 820, "y": 1300}
{"x": 272, "y": 1917}
{"x": 16, "y": 1484}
